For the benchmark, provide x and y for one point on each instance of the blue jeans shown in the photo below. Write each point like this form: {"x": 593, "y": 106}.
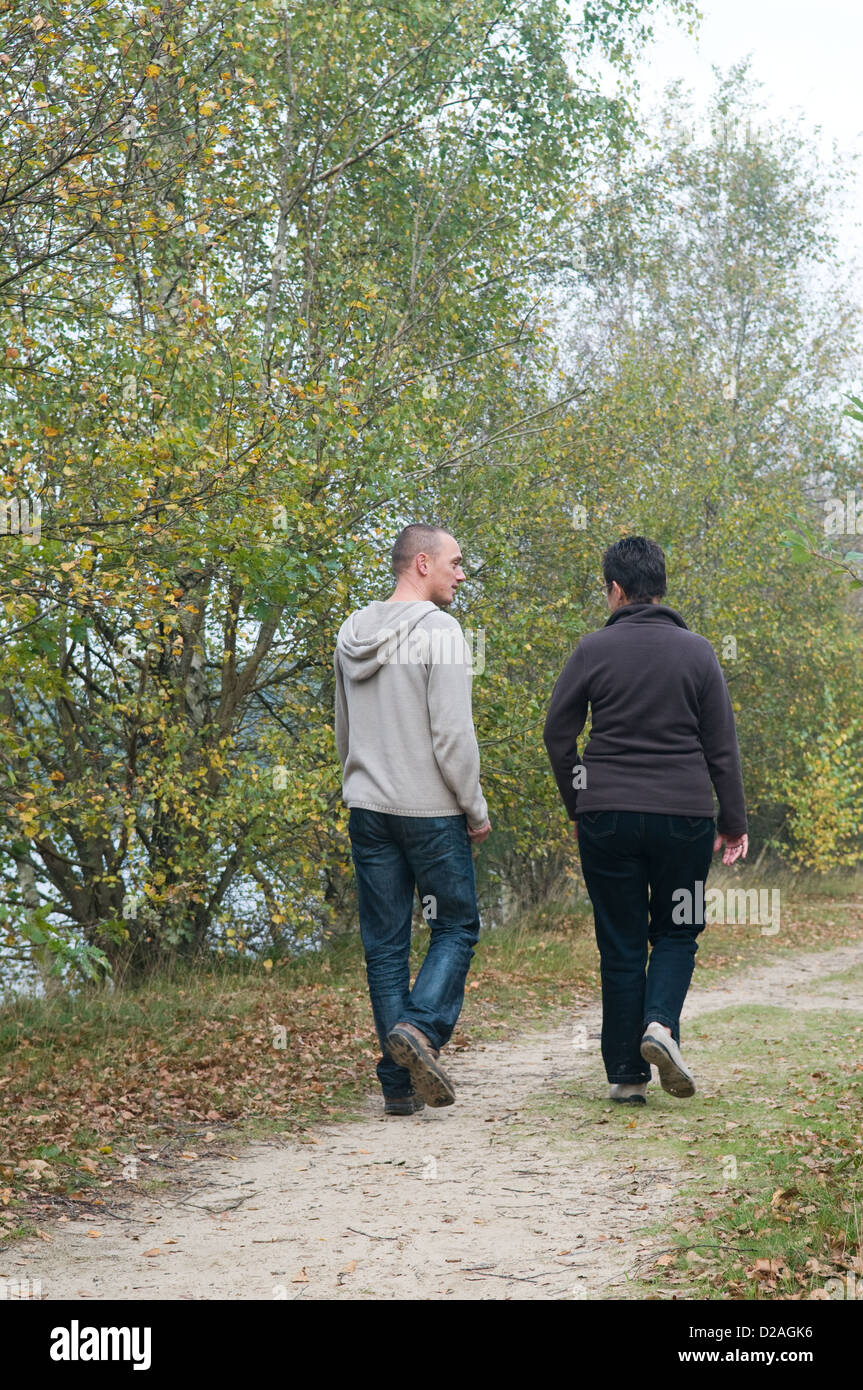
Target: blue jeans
{"x": 392, "y": 856}
{"x": 623, "y": 854}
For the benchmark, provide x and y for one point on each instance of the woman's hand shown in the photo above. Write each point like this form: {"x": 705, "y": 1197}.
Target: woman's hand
{"x": 736, "y": 847}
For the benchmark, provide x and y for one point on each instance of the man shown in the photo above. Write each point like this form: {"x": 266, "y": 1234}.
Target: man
{"x": 410, "y": 762}
{"x": 662, "y": 730}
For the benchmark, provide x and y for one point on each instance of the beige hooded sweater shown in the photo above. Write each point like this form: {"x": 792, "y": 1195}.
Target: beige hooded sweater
{"x": 403, "y": 715}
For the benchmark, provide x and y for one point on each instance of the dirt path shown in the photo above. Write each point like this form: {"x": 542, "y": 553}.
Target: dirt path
{"x": 478, "y": 1201}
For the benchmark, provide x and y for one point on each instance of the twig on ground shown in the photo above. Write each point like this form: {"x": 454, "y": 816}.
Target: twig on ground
{"x": 74, "y": 1202}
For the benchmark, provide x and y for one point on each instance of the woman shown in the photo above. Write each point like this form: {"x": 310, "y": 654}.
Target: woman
{"x": 641, "y": 798}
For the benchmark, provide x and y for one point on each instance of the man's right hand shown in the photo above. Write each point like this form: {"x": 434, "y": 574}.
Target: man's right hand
{"x": 480, "y": 833}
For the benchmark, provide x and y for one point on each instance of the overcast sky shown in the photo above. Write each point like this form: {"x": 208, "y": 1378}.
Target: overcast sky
{"x": 806, "y": 52}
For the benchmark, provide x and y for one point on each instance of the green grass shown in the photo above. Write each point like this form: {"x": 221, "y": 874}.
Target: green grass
{"x": 853, "y": 976}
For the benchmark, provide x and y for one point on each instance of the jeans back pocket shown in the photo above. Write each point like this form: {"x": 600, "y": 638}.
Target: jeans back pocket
{"x": 689, "y": 827}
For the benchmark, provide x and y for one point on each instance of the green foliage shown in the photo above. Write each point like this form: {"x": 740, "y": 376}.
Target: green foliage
{"x": 278, "y": 278}
{"x": 265, "y": 271}
{"x": 57, "y": 953}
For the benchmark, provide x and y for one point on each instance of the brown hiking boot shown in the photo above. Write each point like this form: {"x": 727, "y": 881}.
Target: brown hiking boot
{"x": 411, "y": 1049}
{"x": 403, "y": 1105}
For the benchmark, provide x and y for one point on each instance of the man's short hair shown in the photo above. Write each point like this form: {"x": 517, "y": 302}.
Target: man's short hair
{"x": 638, "y": 565}
{"x": 416, "y": 539}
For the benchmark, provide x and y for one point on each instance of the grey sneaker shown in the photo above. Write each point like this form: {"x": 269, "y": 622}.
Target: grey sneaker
{"x": 629, "y": 1093}
{"x": 411, "y": 1049}
{"x": 659, "y": 1047}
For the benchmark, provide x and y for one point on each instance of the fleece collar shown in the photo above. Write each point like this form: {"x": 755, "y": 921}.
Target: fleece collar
{"x": 646, "y": 613}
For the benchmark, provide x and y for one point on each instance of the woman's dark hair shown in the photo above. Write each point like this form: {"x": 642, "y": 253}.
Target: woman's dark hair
{"x": 638, "y": 565}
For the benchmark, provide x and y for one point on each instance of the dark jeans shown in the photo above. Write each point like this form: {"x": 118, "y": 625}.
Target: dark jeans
{"x": 623, "y": 854}
{"x": 392, "y": 855}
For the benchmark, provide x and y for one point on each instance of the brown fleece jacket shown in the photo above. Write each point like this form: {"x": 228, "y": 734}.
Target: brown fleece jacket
{"x": 662, "y": 725}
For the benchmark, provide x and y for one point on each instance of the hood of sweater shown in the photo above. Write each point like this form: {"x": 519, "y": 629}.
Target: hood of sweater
{"x": 646, "y": 613}
{"x": 372, "y": 636}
